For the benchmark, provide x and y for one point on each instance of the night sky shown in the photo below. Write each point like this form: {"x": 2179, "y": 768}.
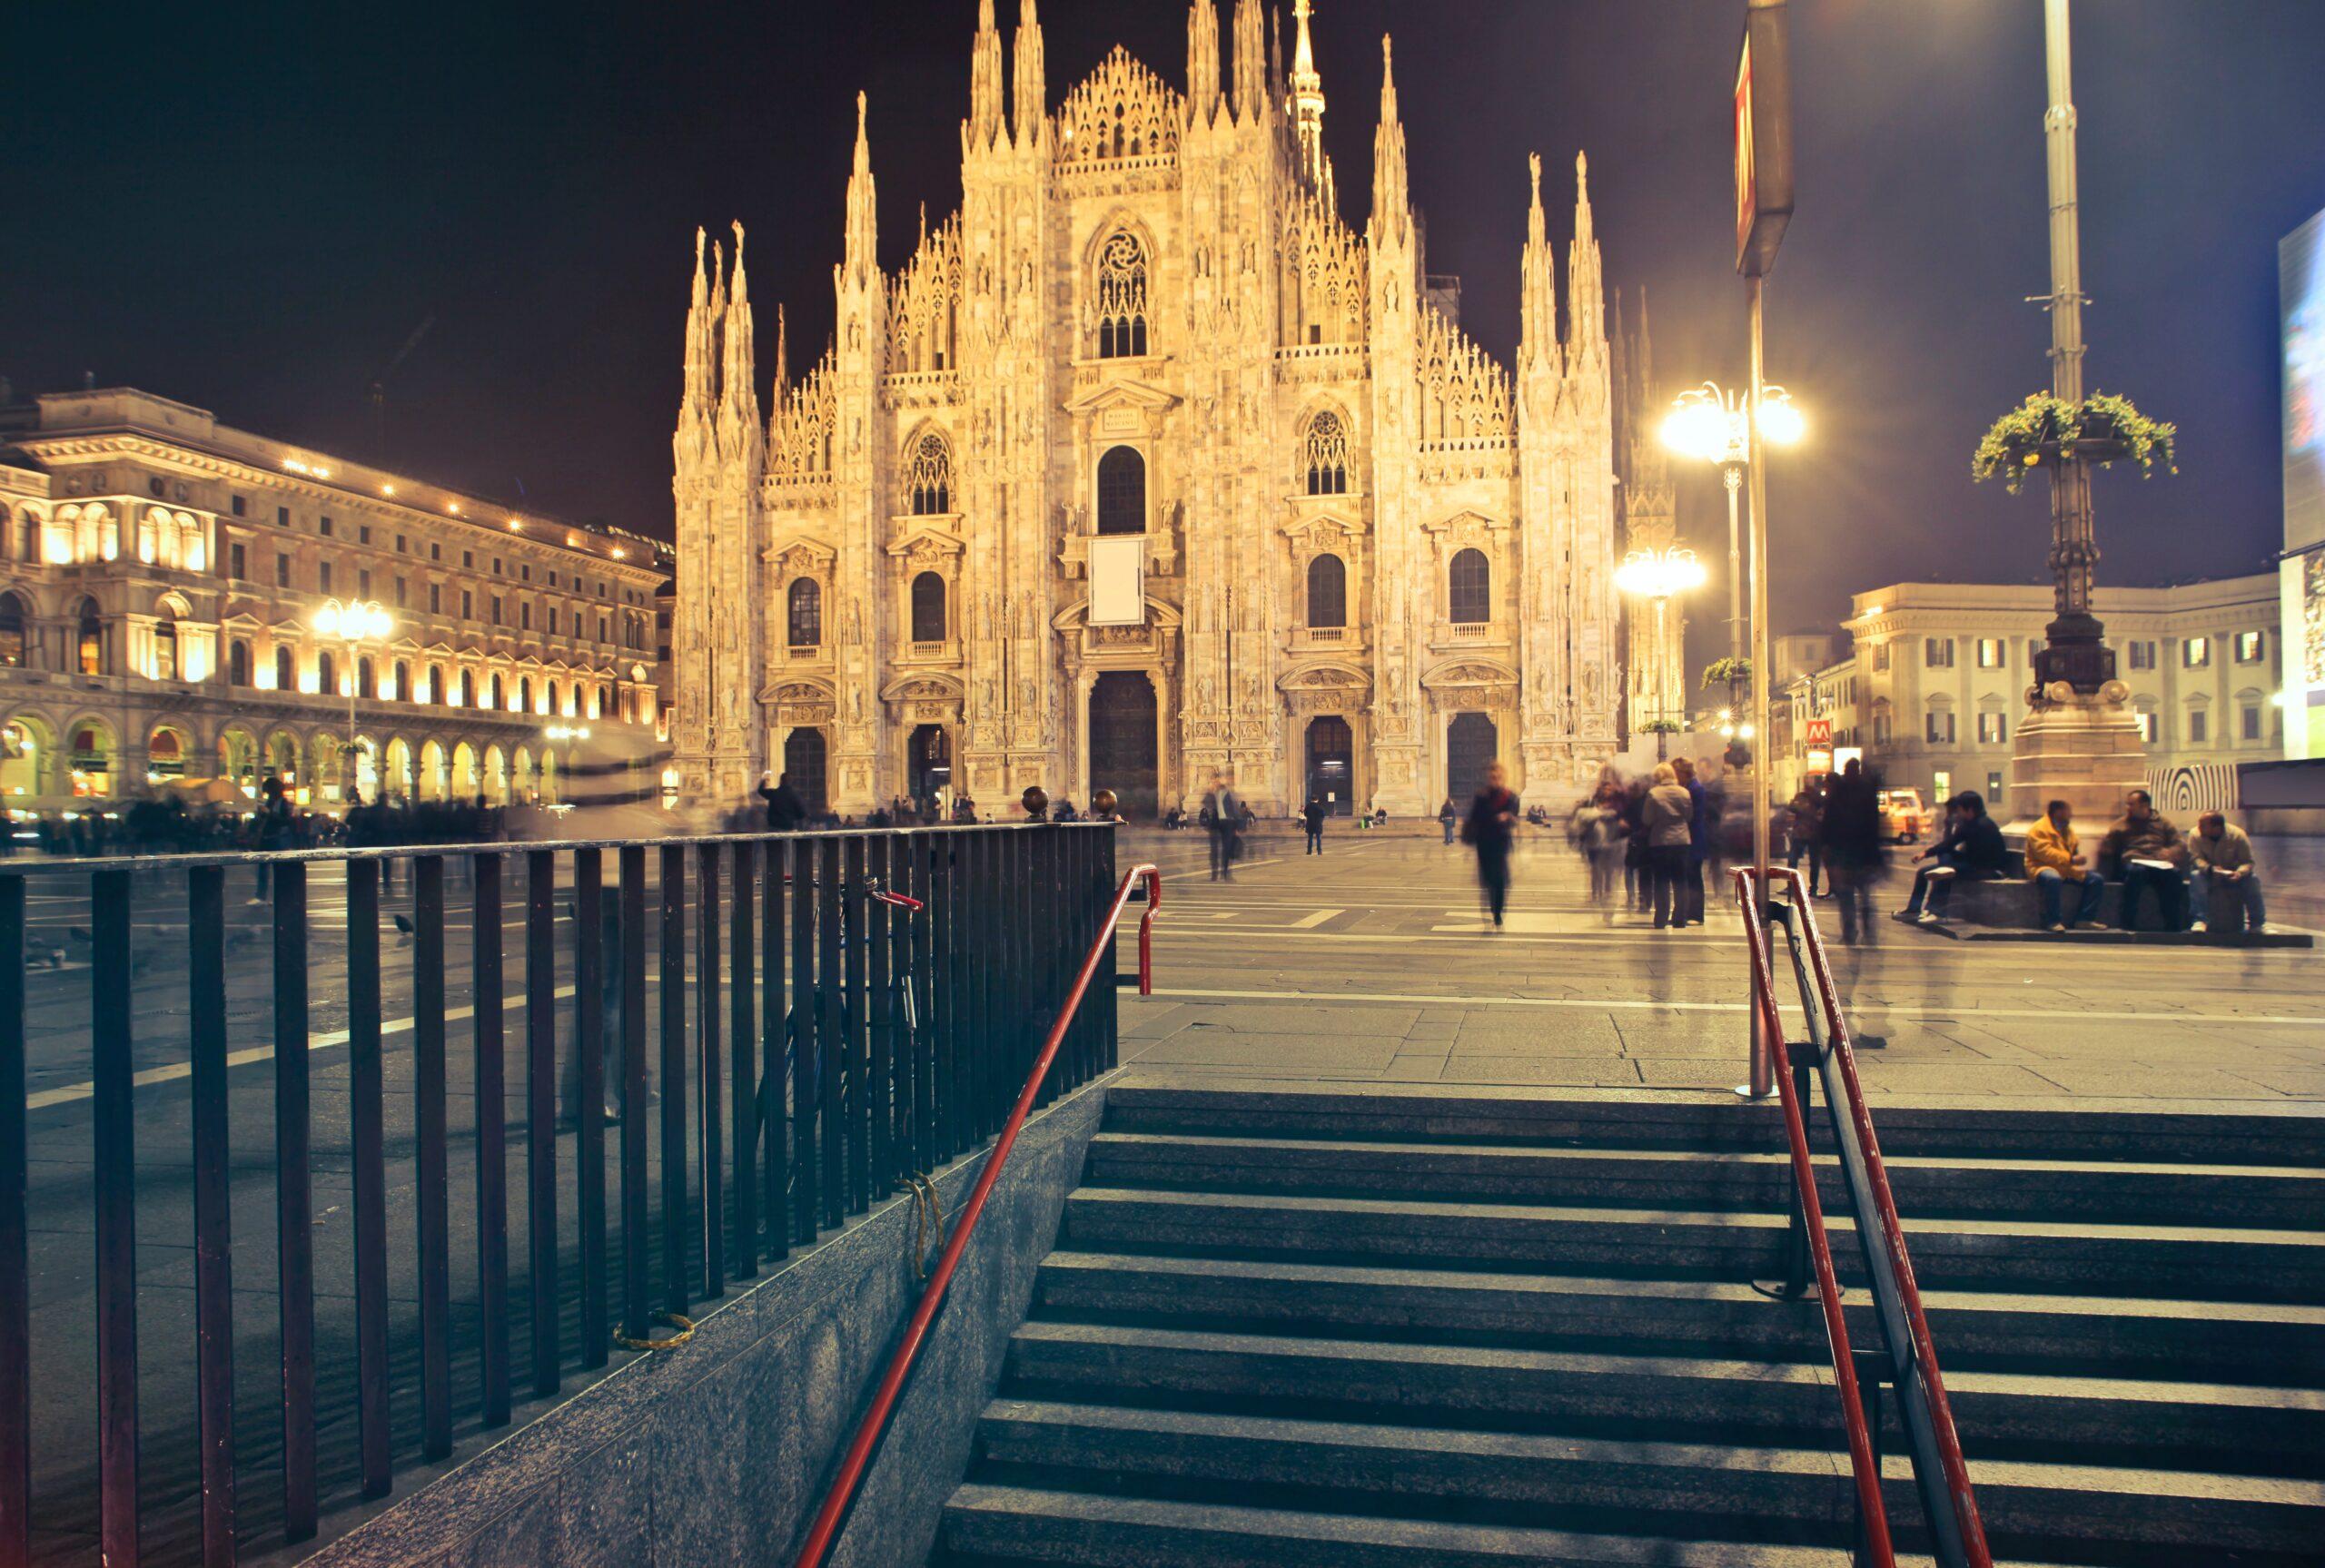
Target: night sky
{"x": 251, "y": 208}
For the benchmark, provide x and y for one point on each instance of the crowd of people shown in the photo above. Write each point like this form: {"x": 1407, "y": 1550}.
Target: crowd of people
{"x": 169, "y": 823}
{"x": 1656, "y": 843}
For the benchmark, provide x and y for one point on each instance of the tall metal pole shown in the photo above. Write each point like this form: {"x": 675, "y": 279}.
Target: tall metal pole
{"x": 1763, "y": 1069}
{"x": 2076, "y": 653}
{"x": 1732, "y": 475}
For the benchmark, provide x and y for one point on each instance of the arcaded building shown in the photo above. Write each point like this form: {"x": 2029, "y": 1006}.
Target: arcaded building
{"x": 160, "y": 576}
{"x": 1148, "y": 463}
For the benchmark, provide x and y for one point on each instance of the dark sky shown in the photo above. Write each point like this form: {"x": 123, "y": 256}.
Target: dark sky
{"x": 250, "y": 207}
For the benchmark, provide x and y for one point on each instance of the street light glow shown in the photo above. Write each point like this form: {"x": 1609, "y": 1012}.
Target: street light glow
{"x": 361, "y": 621}
{"x": 1659, "y": 574}
{"x": 1714, "y": 425}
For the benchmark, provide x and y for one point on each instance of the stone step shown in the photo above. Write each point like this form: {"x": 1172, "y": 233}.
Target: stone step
{"x": 1721, "y": 1179}
{"x": 2266, "y": 1344}
{"x": 2230, "y": 1427}
{"x": 1984, "y": 1254}
{"x": 2229, "y": 1132}
{"x": 1690, "y": 1490}
{"x": 990, "y": 1524}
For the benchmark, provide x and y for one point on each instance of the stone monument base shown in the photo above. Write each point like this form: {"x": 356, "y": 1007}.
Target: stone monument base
{"x": 2083, "y": 748}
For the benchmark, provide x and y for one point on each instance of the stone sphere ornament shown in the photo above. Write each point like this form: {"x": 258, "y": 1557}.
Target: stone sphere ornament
{"x": 1036, "y": 801}
{"x": 1105, "y": 802}
{"x": 2115, "y": 692}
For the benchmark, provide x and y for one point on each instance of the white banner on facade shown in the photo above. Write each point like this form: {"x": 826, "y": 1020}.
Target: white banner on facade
{"x": 1118, "y": 581}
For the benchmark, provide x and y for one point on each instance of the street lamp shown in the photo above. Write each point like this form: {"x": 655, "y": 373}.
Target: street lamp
{"x": 1714, "y": 425}
{"x": 353, "y": 623}
{"x": 1657, "y": 574}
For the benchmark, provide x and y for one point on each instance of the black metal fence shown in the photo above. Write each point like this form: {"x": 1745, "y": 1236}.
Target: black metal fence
{"x": 824, "y": 1016}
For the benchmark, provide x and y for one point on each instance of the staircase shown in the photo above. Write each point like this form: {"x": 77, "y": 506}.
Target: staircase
{"x": 1289, "y": 1326}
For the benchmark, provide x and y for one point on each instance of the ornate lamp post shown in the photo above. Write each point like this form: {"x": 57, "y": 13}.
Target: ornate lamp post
{"x": 1657, "y": 574}
{"x": 355, "y": 622}
{"x": 1714, "y": 426}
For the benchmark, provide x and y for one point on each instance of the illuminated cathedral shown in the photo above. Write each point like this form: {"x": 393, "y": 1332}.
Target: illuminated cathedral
{"x": 1147, "y": 464}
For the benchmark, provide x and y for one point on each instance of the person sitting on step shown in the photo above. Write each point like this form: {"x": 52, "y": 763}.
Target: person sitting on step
{"x": 2054, "y": 865}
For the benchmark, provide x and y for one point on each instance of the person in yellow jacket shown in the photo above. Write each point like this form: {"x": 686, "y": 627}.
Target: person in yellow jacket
{"x": 2054, "y": 865}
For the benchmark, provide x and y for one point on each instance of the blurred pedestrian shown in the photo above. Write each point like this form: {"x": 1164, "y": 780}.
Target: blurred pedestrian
{"x": 1313, "y": 814}
{"x": 784, "y": 810}
{"x": 1806, "y": 835}
{"x": 1447, "y": 818}
{"x": 276, "y": 830}
{"x": 1854, "y": 859}
{"x": 1222, "y": 819}
{"x": 1701, "y": 827}
{"x": 1667, "y": 813}
{"x": 1490, "y": 825}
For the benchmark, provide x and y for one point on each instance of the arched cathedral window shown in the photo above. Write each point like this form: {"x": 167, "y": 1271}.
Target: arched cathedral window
{"x": 1470, "y": 588}
{"x": 1327, "y": 592}
{"x": 1122, "y": 492}
{"x": 1122, "y": 298}
{"x": 928, "y": 479}
{"x": 928, "y": 609}
{"x": 1327, "y": 455}
{"x": 805, "y": 605}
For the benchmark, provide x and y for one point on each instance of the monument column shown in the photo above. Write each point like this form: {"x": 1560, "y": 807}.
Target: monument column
{"x": 2080, "y": 743}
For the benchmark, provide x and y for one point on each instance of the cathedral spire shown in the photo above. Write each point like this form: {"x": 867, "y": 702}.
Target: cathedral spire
{"x": 1031, "y": 90}
{"x": 1250, "y": 60}
{"x": 1392, "y": 211}
{"x": 1537, "y": 331}
{"x": 863, "y": 222}
{"x": 1586, "y": 301}
{"x": 1202, "y": 61}
{"x": 1277, "y": 86}
{"x": 984, "y": 81}
{"x": 1306, "y": 98}
{"x": 739, "y": 400}
{"x": 1642, "y": 352}
{"x": 782, "y": 355}
{"x": 701, "y": 373}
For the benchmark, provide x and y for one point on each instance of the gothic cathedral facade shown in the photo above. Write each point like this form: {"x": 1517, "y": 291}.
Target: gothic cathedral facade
{"x": 1147, "y": 465}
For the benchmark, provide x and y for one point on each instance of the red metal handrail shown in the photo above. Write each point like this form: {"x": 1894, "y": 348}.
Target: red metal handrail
{"x": 825, "y": 1531}
{"x": 1949, "y": 1441}
{"x": 1862, "y": 1466}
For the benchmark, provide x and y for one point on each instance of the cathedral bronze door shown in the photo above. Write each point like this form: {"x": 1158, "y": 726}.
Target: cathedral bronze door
{"x": 803, "y": 761}
{"x": 1124, "y": 755}
{"x": 1471, "y": 744}
{"x": 928, "y": 765}
{"x": 1332, "y": 763}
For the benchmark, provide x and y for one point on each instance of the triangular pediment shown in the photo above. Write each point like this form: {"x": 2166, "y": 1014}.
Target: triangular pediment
{"x": 1124, "y": 393}
{"x": 1463, "y": 521}
{"x": 929, "y": 534}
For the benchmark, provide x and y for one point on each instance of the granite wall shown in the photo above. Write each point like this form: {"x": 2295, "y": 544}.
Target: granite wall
{"x": 718, "y": 1450}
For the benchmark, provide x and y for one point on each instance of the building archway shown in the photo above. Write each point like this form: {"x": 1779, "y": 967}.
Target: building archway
{"x": 169, "y": 753}
{"x": 435, "y": 770}
{"x": 1473, "y": 745}
{"x": 548, "y": 795}
{"x": 464, "y": 785}
{"x": 27, "y": 748}
{"x": 90, "y": 756}
{"x": 496, "y": 776}
{"x": 238, "y": 758}
{"x": 1125, "y": 745}
{"x": 522, "y": 778}
{"x": 928, "y": 764}
{"x": 805, "y": 757}
{"x": 1332, "y": 763}
{"x": 398, "y": 780}
{"x": 363, "y": 768}
{"x": 283, "y": 757}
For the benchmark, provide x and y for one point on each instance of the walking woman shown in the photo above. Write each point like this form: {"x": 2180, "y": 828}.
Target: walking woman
{"x": 1489, "y": 828}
